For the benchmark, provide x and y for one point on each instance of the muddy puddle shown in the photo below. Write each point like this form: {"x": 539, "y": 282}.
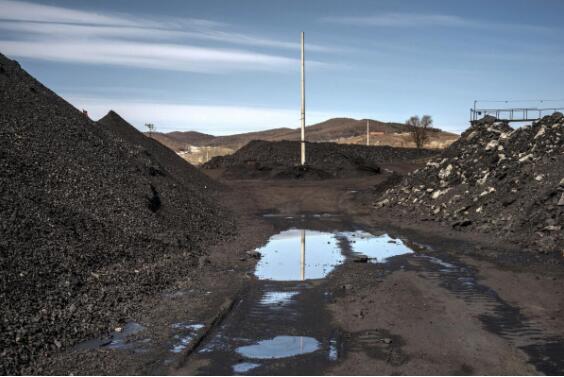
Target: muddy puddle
{"x": 281, "y": 324}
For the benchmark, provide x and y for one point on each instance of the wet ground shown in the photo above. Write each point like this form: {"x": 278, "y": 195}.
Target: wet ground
{"x": 313, "y": 286}
{"x": 282, "y": 324}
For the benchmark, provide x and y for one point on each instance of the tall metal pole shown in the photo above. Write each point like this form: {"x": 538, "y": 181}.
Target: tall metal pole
{"x": 303, "y": 155}
{"x": 367, "y": 131}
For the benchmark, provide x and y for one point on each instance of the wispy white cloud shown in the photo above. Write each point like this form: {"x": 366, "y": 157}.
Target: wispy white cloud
{"x": 149, "y": 55}
{"x": 392, "y": 19}
{"x": 69, "y": 35}
{"x": 32, "y": 12}
{"x": 417, "y": 20}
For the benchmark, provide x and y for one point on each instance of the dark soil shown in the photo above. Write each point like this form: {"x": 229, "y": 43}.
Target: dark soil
{"x": 494, "y": 180}
{"x": 272, "y": 160}
{"x": 91, "y": 222}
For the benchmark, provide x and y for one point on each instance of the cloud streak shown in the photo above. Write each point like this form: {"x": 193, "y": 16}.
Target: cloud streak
{"x": 149, "y": 55}
{"x": 419, "y": 20}
{"x": 62, "y": 34}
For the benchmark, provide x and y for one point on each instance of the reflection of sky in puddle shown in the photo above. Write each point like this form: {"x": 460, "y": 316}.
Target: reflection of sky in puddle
{"x": 284, "y": 260}
{"x": 244, "y": 367}
{"x": 282, "y": 256}
{"x": 277, "y": 298}
{"x": 377, "y": 248}
{"x": 280, "y": 347}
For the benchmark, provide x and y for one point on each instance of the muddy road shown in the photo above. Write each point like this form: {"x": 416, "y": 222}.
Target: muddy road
{"x": 317, "y": 285}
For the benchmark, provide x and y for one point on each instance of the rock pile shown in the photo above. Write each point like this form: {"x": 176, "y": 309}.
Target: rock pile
{"x": 494, "y": 179}
{"x": 89, "y": 222}
{"x": 280, "y": 159}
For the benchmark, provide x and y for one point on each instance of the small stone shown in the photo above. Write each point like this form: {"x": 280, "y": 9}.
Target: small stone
{"x": 492, "y": 145}
{"x": 561, "y": 201}
{"x": 362, "y": 259}
{"x": 254, "y": 254}
{"x": 526, "y": 158}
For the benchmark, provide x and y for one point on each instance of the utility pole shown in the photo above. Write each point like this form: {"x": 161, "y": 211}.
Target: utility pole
{"x": 303, "y": 155}
{"x": 367, "y": 131}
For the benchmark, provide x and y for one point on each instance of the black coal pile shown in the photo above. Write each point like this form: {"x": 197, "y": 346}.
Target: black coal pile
{"x": 281, "y": 159}
{"x": 163, "y": 157}
{"x": 90, "y": 222}
{"x": 494, "y": 179}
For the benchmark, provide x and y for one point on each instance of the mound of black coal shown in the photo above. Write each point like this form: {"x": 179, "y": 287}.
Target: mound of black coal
{"x": 90, "y": 222}
{"x": 494, "y": 179}
{"x": 281, "y": 159}
{"x": 167, "y": 161}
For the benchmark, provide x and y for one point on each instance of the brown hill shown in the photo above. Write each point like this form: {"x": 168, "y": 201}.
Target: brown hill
{"x": 341, "y": 130}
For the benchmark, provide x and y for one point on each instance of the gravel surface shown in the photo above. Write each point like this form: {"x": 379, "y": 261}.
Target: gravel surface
{"x": 494, "y": 179}
{"x": 266, "y": 159}
{"x": 90, "y": 222}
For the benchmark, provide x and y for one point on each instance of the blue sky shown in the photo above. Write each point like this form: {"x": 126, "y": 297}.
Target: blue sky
{"x": 233, "y": 66}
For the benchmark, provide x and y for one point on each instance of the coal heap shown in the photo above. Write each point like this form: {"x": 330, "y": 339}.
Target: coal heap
{"x": 281, "y": 159}
{"x": 494, "y": 179}
{"x": 90, "y": 221}
{"x": 165, "y": 158}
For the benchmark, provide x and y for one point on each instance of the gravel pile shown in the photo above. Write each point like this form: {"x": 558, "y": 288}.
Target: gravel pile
{"x": 494, "y": 179}
{"x": 280, "y": 159}
{"x": 90, "y": 222}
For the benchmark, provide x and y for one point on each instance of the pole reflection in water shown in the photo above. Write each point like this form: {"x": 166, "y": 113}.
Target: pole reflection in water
{"x": 302, "y": 259}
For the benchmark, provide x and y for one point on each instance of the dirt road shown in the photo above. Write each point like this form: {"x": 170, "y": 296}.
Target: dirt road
{"x": 365, "y": 296}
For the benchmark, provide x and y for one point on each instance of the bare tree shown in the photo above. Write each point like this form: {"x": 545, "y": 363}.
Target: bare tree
{"x": 419, "y": 129}
{"x": 151, "y": 128}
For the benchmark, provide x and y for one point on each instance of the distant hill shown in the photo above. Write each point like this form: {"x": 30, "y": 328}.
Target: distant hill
{"x": 335, "y": 129}
{"x": 197, "y": 147}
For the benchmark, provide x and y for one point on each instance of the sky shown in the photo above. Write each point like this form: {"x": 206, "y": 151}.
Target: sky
{"x": 225, "y": 67}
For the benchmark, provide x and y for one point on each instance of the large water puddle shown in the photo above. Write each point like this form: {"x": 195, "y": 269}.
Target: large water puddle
{"x": 282, "y": 324}
{"x": 280, "y": 347}
{"x": 301, "y": 254}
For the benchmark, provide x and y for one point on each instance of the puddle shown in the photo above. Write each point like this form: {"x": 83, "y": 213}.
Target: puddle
{"x": 277, "y": 298}
{"x": 244, "y": 367}
{"x": 376, "y": 247}
{"x": 280, "y": 347}
{"x": 282, "y": 325}
{"x": 298, "y": 254}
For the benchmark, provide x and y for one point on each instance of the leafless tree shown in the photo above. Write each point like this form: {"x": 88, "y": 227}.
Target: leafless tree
{"x": 151, "y": 128}
{"x": 419, "y": 129}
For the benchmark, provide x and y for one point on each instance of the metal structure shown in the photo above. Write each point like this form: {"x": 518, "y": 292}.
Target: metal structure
{"x": 367, "y": 131}
{"x": 513, "y": 114}
{"x": 303, "y": 155}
